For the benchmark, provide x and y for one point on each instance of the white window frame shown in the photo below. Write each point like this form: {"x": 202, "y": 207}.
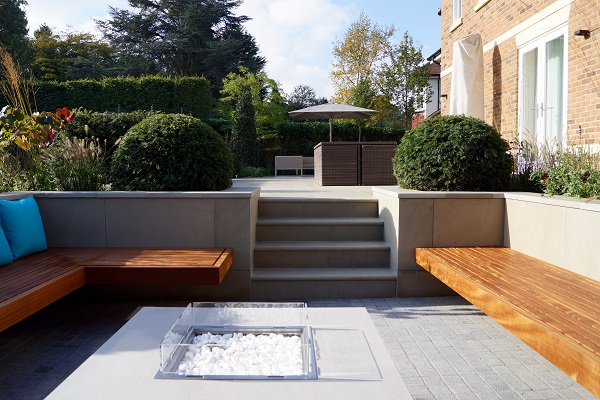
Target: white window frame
{"x": 540, "y": 43}
{"x": 456, "y": 11}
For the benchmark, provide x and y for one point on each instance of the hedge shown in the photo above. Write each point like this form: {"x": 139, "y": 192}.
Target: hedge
{"x": 188, "y": 95}
{"x": 300, "y": 138}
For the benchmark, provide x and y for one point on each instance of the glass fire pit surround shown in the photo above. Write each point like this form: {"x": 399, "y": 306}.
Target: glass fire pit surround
{"x": 239, "y": 341}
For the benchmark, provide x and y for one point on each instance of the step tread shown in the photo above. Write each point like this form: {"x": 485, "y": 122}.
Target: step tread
{"x": 314, "y": 200}
{"x": 312, "y": 274}
{"x": 320, "y": 221}
{"x": 357, "y": 245}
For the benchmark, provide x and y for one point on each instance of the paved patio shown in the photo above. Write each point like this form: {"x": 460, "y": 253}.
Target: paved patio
{"x": 302, "y": 186}
{"x": 443, "y": 347}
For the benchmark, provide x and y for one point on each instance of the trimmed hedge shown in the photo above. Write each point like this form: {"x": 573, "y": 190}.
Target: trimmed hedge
{"x": 190, "y": 95}
{"x": 453, "y": 153}
{"x": 300, "y": 138}
{"x": 171, "y": 152}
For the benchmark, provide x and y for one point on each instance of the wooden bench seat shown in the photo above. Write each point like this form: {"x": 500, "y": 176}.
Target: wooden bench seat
{"x": 105, "y": 266}
{"x": 555, "y": 311}
{"x": 31, "y": 283}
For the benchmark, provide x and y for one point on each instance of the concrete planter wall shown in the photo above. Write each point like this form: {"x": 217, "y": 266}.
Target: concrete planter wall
{"x": 158, "y": 220}
{"x": 435, "y": 219}
{"x": 563, "y": 231}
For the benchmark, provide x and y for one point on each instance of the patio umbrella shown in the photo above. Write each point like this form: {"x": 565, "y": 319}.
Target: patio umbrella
{"x": 332, "y": 110}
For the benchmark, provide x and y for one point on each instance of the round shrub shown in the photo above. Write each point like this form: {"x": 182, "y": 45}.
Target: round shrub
{"x": 171, "y": 152}
{"x": 453, "y": 153}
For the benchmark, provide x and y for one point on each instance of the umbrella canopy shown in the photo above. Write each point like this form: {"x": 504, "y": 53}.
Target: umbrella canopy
{"x": 331, "y": 111}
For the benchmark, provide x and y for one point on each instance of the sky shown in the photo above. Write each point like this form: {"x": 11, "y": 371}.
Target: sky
{"x": 295, "y": 36}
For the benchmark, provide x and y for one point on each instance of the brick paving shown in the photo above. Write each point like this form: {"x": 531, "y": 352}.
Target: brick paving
{"x": 443, "y": 347}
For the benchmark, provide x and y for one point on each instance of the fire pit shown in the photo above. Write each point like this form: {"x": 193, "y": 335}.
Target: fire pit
{"x": 239, "y": 341}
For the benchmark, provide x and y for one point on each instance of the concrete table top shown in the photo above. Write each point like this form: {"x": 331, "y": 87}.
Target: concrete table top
{"x": 125, "y": 366}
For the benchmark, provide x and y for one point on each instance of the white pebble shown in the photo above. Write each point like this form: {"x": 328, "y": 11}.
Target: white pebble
{"x": 239, "y": 354}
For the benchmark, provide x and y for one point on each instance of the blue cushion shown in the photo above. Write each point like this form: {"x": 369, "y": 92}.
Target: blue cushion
{"x": 5, "y": 253}
{"x": 22, "y": 226}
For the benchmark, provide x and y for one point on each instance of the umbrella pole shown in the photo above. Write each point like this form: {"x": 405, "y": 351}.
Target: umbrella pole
{"x": 330, "y": 136}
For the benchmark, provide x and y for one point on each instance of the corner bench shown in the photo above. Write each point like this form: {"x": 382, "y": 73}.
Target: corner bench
{"x": 554, "y": 311}
{"x": 31, "y": 283}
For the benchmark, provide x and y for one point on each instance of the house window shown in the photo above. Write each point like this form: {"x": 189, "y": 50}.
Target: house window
{"x": 456, "y": 10}
{"x": 542, "y": 89}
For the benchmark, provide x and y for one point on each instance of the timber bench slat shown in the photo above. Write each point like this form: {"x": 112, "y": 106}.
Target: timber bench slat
{"x": 151, "y": 266}
{"x": 553, "y": 310}
{"x": 524, "y": 290}
{"x": 529, "y": 292}
{"x": 27, "y": 273}
{"x": 31, "y": 283}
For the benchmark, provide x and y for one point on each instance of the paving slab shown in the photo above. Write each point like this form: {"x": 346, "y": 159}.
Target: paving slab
{"x": 125, "y": 366}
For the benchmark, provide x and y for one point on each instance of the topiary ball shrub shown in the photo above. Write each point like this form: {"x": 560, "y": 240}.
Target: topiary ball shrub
{"x": 171, "y": 152}
{"x": 453, "y": 153}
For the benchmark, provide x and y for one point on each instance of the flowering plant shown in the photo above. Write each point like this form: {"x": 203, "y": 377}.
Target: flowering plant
{"x": 28, "y": 131}
{"x": 573, "y": 172}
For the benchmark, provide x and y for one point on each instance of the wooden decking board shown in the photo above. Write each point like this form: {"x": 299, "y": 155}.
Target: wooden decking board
{"x": 31, "y": 283}
{"x": 531, "y": 300}
{"x": 572, "y": 296}
{"x": 151, "y": 266}
{"x": 553, "y": 310}
{"x": 556, "y": 302}
{"x": 580, "y": 307}
{"x": 22, "y": 275}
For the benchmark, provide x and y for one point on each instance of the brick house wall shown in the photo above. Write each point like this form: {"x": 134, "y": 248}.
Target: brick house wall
{"x": 499, "y": 22}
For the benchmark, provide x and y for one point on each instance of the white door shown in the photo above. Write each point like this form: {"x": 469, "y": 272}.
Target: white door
{"x": 543, "y": 89}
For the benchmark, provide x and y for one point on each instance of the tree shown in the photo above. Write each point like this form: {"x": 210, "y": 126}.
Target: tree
{"x": 267, "y": 100}
{"x": 13, "y": 29}
{"x": 47, "y": 65}
{"x": 357, "y": 57}
{"x": 244, "y": 143}
{"x": 71, "y": 55}
{"x": 187, "y": 37}
{"x": 303, "y": 96}
{"x": 404, "y": 80}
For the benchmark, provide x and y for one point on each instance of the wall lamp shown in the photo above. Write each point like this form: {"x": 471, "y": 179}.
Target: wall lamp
{"x": 582, "y": 32}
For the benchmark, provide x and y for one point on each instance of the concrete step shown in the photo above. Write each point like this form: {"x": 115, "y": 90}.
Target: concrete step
{"x": 317, "y": 208}
{"x": 300, "y": 229}
{"x": 321, "y": 254}
{"x": 285, "y": 284}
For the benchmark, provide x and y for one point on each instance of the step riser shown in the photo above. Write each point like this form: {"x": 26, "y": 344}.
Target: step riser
{"x": 322, "y": 259}
{"x": 315, "y": 232}
{"x": 317, "y": 290}
{"x": 314, "y": 209}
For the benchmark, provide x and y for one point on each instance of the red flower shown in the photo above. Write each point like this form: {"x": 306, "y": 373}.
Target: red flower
{"x": 65, "y": 115}
{"x": 544, "y": 176}
{"x": 50, "y": 137}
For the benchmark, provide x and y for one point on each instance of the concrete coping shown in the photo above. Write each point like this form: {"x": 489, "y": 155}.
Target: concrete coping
{"x": 237, "y": 193}
{"x": 416, "y": 194}
{"x": 561, "y": 201}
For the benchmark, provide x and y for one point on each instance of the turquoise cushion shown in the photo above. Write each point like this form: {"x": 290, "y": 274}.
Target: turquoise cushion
{"x": 22, "y": 226}
{"x": 5, "y": 253}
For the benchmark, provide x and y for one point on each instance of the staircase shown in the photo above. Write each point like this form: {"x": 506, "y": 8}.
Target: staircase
{"x": 319, "y": 249}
